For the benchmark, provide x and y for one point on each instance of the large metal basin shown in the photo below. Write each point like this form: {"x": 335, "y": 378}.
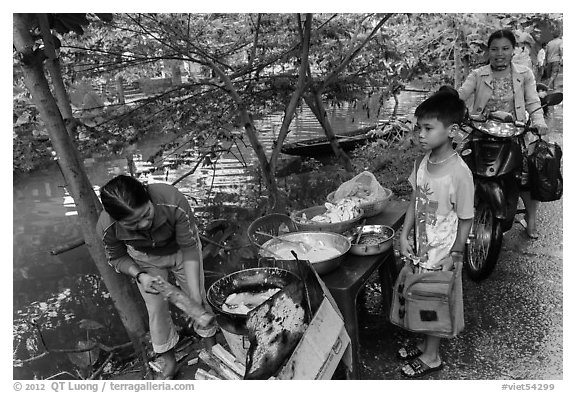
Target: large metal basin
{"x": 317, "y": 241}
{"x": 248, "y": 280}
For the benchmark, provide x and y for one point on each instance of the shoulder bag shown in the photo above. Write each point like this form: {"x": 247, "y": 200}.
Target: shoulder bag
{"x": 426, "y": 301}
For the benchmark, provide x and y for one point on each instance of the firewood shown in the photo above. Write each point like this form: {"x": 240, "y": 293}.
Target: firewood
{"x": 214, "y": 363}
{"x": 228, "y": 359}
{"x": 204, "y": 375}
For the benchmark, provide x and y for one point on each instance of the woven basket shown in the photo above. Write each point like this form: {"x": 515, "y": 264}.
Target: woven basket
{"x": 337, "y": 227}
{"x": 370, "y": 208}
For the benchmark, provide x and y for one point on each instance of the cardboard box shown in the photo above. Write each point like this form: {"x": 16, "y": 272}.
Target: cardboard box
{"x": 324, "y": 343}
{"x": 320, "y": 349}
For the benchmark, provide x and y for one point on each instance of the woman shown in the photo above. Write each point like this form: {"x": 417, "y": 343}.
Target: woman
{"x": 504, "y": 86}
{"x": 148, "y": 231}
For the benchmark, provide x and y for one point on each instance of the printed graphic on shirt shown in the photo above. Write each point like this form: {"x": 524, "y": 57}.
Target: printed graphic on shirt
{"x": 439, "y": 201}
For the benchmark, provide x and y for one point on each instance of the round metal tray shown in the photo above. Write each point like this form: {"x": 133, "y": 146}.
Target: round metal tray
{"x": 385, "y": 244}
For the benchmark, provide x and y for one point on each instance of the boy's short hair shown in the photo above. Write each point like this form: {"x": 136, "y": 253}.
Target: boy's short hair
{"x": 445, "y": 105}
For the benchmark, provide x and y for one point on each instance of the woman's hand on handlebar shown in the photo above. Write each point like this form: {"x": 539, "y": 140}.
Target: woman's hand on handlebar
{"x": 542, "y": 129}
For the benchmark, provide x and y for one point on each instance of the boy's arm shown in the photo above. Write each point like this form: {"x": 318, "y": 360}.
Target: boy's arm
{"x": 461, "y": 235}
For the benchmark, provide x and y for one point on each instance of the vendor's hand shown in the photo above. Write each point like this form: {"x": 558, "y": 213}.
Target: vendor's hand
{"x": 405, "y": 248}
{"x": 147, "y": 281}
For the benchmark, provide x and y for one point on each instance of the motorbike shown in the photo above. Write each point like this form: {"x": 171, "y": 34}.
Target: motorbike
{"x": 492, "y": 149}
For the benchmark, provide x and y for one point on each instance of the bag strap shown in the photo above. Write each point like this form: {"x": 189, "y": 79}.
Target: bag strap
{"x": 416, "y": 168}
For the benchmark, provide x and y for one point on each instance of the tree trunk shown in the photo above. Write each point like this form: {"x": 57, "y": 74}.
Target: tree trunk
{"x": 75, "y": 175}
{"x": 53, "y": 65}
{"x": 120, "y": 90}
{"x": 296, "y": 95}
{"x": 251, "y": 132}
{"x": 457, "y": 62}
{"x": 315, "y": 103}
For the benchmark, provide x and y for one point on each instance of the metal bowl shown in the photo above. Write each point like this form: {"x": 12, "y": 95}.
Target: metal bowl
{"x": 328, "y": 239}
{"x": 308, "y": 225}
{"x": 255, "y": 279}
{"x": 385, "y": 232}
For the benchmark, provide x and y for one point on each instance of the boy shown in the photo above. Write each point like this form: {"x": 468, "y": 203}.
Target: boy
{"x": 443, "y": 207}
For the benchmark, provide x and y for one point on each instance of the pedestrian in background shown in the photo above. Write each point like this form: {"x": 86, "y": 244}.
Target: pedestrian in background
{"x": 541, "y": 63}
{"x": 523, "y": 49}
{"x": 553, "y": 58}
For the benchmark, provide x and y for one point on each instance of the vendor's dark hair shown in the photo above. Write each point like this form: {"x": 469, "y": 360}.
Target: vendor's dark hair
{"x": 121, "y": 195}
{"x": 504, "y": 33}
{"x": 444, "y": 105}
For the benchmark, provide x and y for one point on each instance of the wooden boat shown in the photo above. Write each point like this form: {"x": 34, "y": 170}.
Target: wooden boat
{"x": 321, "y": 146}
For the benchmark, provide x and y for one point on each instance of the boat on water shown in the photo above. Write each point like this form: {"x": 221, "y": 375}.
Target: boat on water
{"x": 320, "y": 146}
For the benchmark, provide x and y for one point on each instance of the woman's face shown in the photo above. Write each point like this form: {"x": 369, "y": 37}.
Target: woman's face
{"x": 141, "y": 219}
{"x": 500, "y": 53}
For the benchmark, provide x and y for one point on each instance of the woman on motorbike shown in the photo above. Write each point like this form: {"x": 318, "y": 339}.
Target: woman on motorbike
{"x": 504, "y": 86}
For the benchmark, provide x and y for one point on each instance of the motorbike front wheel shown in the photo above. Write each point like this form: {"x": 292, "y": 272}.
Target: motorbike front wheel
{"x": 484, "y": 243}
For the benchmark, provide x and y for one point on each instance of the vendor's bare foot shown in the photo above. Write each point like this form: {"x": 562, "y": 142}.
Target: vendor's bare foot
{"x": 168, "y": 361}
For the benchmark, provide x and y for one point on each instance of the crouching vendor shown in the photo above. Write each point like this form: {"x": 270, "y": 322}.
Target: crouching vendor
{"x": 148, "y": 231}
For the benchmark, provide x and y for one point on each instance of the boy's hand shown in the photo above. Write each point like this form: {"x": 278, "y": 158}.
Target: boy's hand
{"x": 448, "y": 262}
{"x": 405, "y": 248}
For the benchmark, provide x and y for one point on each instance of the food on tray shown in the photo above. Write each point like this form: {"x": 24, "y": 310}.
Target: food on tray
{"x": 372, "y": 239}
{"x": 314, "y": 252}
{"x": 274, "y": 330}
{"x": 244, "y": 302}
{"x": 360, "y": 191}
{"x": 344, "y": 210}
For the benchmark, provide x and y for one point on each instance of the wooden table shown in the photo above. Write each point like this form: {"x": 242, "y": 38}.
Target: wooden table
{"x": 345, "y": 282}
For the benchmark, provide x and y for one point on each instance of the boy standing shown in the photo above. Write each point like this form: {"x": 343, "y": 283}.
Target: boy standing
{"x": 442, "y": 206}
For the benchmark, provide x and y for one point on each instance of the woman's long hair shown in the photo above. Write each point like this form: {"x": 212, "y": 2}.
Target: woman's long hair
{"x": 122, "y": 195}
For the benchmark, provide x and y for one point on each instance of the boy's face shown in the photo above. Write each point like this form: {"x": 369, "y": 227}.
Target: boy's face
{"x": 433, "y": 133}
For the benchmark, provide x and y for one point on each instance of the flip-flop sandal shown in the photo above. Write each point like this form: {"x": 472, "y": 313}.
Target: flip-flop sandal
{"x": 532, "y": 235}
{"x": 410, "y": 351}
{"x": 420, "y": 368}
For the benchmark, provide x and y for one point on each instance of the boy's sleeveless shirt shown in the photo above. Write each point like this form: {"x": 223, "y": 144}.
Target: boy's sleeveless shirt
{"x": 441, "y": 199}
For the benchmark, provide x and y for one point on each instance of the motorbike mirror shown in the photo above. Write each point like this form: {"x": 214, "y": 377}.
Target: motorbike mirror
{"x": 552, "y": 99}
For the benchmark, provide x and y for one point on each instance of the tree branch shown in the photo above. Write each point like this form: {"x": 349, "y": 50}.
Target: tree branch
{"x": 353, "y": 53}
{"x": 297, "y": 94}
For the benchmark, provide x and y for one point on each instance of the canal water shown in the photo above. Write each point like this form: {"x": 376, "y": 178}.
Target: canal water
{"x": 59, "y": 291}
